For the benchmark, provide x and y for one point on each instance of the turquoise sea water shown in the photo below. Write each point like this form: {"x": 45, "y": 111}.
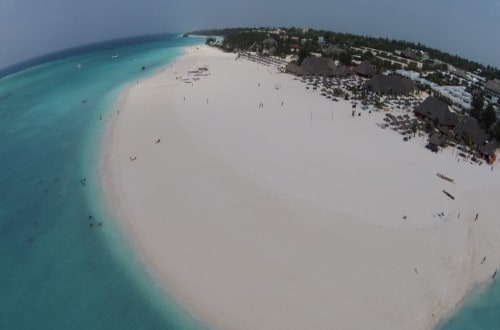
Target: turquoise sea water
{"x": 63, "y": 262}
{"x": 480, "y": 311}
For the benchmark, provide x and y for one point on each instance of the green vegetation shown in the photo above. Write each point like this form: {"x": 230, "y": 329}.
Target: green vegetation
{"x": 243, "y": 38}
{"x": 414, "y": 128}
{"x": 210, "y": 40}
{"x": 431, "y": 65}
{"x": 488, "y": 117}
{"x": 377, "y": 104}
{"x": 303, "y": 53}
{"x": 485, "y": 116}
{"x": 429, "y": 128}
{"x": 477, "y": 106}
{"x": 441, "y": 79}
{"x": 496, "y": 131}
{"x": 345, "y": 58}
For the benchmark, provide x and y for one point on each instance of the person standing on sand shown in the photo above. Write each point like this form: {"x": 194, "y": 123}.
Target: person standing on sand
{"x": 477, "y": 216}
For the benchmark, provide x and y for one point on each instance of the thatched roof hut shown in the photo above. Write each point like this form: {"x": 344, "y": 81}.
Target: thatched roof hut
{"x": 389, "y": 85}
{"x": 318, "y": 66}
{"x": 493, "y": 86}
{"x": 269, "y": 42}
{"x": 333, "y": 51}
{"x": 437, "y": 111}
{"x": 295, "y": 69}
{"x": 409, "y": 53}
{"x": 342, "y": 71}
{"x": 469, "y": 129}
{"x": 365, "y": 69}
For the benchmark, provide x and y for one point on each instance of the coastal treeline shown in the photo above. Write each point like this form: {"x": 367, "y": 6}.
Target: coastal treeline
{"x": 307, "y": 41}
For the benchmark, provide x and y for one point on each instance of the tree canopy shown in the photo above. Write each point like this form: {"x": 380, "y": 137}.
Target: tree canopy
{"x": 488, "y": 117}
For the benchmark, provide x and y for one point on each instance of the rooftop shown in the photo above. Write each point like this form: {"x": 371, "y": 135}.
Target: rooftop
{"x": 365, "y": 68}
{"x": 318, "y": 66}
{"x": 437, "y": 111}
{"x": 393, "y": 85}
{"x": 493, "y": 85}
{"x": 469, "y": 128}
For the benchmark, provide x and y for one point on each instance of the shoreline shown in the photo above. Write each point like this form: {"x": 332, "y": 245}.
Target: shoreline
{"x": 289, "y": 208}
{"x": 114, "y": 196}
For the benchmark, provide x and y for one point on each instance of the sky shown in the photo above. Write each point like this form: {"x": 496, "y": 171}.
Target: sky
{"x": 30, "y": 28}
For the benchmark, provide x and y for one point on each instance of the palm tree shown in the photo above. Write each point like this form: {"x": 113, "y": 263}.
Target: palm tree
{"x": 414, "y": 128}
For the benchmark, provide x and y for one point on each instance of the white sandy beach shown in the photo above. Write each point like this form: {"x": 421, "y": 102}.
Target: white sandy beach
{"x": 293, "y": 216}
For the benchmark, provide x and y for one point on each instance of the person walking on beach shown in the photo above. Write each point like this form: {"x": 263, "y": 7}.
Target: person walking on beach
{"x": 477, "y": 216}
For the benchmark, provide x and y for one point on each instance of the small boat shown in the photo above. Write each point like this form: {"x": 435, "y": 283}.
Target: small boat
{"x": 114, "y": 57}
{"x": 78, "y": 66}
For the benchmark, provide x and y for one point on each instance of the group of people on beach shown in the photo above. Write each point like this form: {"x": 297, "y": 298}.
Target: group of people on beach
{"x": 132, "y": 158}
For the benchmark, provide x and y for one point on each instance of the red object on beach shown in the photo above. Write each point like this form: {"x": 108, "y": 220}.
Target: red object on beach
{"x": 491, "y": 159}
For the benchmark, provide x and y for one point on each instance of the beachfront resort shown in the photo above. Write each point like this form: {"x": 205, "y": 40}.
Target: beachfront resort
{"x": 449, "y": 115}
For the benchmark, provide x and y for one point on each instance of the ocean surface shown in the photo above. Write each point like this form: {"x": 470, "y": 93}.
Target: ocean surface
{"x": 481, "y": 311}
{"x": 64, "y": 263}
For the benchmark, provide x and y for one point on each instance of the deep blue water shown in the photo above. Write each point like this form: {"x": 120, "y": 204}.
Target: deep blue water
{"x": 64, "y": 264}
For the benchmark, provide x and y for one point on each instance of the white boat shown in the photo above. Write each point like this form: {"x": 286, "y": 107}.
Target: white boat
{"x": 115, "y": 56}
{"x": 78, "y": 66}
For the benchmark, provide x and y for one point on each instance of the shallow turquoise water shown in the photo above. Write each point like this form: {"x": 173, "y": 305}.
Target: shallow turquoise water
{"x": 64, "y": 263}
{"x": 480, "y": 311}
